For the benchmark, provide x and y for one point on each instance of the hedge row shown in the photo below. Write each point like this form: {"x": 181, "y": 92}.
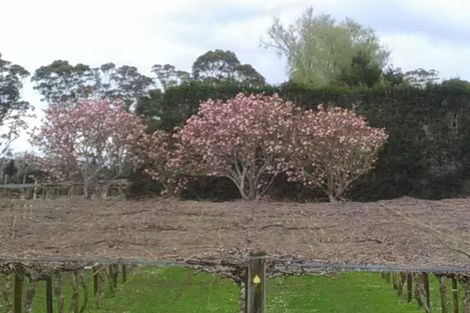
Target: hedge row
{"x": 427, "y": 155}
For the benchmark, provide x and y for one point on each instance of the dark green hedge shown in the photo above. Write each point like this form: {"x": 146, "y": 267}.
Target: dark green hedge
{"x": 427, "y": 155}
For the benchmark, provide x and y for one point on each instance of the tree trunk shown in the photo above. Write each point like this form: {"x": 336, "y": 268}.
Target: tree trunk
{"x": 84, "y": 284}
{"x": 426, "y": 291}
{"x": 58, "y": 293}
{"x": 86, "y": 190}
{"x": 18, "y": 295}
{"x": 409, "y": 287}
{"x": 418, "y": 291}
{"x": 7, "y": 293}
{"x": 332, "y": 198}
{"x": 75, "y": 293}
{"x": 443, "y": 292}
{"x": 401, "y": 281}
{"x": 466, "y": 300}
{"x": 455, "y": 295}
{"x": 49, "y": 299}
{"x": 29, "y": 297}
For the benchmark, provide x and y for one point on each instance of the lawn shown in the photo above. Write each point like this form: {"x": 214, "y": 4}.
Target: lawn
{"x": 177, "y": 290}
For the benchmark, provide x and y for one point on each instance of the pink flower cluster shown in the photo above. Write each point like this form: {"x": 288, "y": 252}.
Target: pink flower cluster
{"x": 90, "y": 141}
{"x": 161, "y": 158}
{"x": 333, "y": 147}
{"x": 243, "y": 139}
{"x": 250, "y": 139}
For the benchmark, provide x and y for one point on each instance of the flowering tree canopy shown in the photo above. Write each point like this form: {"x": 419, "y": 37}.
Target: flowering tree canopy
{"x": 88, "y": 142}
{"x": 160, "y": 157}
{"x": 242, "y": 139}
{"x": 332, "y": 148}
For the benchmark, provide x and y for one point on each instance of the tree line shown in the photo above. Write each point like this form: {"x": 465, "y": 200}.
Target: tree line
{"x": 336, "y": 63}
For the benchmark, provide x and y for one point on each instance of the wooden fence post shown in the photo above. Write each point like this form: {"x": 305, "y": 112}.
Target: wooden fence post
{"x": 256, "y": 284}
{"x": 18, "y": 289}
{"x": 49, "y": 302}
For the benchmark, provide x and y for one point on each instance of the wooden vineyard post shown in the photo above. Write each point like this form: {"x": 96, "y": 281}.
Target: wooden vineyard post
{"x": 455, "y": 295}
{"x": 49, "y": 303}
{"x": 18, "y": 289}
{"x": 256, "y": 284}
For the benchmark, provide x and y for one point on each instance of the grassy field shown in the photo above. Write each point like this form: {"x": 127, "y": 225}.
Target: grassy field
{"x": 176, "y": 290}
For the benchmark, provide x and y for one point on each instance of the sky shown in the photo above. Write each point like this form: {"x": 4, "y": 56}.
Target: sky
{"x": 430, "y": 34}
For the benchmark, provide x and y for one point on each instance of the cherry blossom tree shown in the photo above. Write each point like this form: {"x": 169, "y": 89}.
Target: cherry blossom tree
{"x": 88, "y": 142}
{"x": 332, "y": 148}
{"x": 243, "y": 138}
{"x": 161, "y": 158}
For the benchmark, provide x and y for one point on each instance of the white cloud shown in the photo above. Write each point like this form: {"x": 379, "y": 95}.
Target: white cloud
{"x": 414, "y": 51}
{"x": 421, "y": 33}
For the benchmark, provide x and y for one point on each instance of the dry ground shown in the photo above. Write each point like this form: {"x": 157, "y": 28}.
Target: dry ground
{"x": 402, "y": 231}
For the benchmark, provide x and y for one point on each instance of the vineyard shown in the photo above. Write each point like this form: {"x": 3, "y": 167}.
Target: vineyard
{"x": 404, "y": 239}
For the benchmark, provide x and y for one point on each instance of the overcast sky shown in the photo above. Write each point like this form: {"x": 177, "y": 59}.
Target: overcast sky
{"x": 420, "y": 33}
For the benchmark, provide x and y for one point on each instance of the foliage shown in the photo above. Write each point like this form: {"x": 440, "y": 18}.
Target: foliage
{"x": 168, "y": 76}
{"x": 320, "y": 51}
{"x": 421, "y": 78}
{"x": 212, "y": 68}
{"x": 12, "y": 108}
{"x": 9, "y": 170}
{"x": 219, "y": 65}
{"x": 161, "y": 160}
{"x": 20, "y": 169}
{"x": 361, "y": 72}
{"x": 332, "y": 148}
{"x": 456, "y": 85}
{"x": 176, "y": 104}
{"x": 393, "y": 76}
{"x": 124, "y": 83}
{"x": 428, "y": 128}
{"x": 87, "y": 142}
{"x": 242, "y": 139}
{"x": 61, "y": 83}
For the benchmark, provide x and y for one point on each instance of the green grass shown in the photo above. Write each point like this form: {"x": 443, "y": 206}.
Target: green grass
{"x": 177, "y": 290}
{"x": 341, "y": 293}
